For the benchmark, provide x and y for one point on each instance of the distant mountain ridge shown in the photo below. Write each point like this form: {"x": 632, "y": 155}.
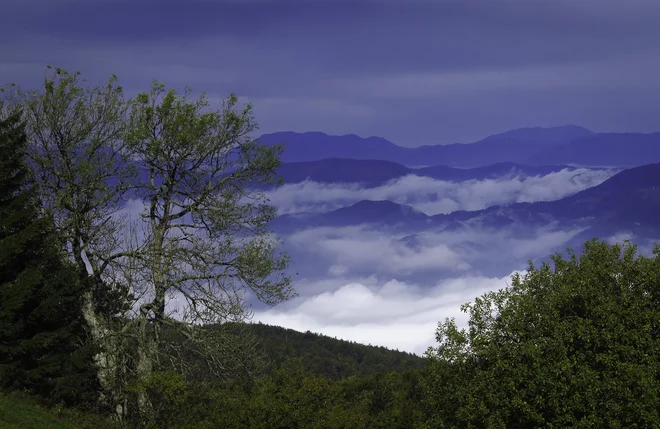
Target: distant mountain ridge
{"x": 371, "y": 172}
{"x": 568, "y": 144}
{"x": 630, "y": 198}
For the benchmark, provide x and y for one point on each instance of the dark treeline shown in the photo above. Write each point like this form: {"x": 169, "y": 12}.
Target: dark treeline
{"x": 572, "y": 343}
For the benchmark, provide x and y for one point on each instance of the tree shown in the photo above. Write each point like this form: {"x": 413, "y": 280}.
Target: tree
{"x": 76, "y": 148}
{"x": 202, "y": 239}
{"x": 571, "y": 345}
{"x": 205, "y": 237}
{"x": 43, "y": 343}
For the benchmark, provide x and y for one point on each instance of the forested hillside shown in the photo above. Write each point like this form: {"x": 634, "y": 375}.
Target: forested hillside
{"x": 323, "y": 355}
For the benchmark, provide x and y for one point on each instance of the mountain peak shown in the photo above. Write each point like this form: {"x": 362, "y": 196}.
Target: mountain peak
{"x": 562, "y": 133}
{"x": 370, "y": 209}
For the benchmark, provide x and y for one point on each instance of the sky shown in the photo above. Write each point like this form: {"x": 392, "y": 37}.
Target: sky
{"x": 413, "y": 71}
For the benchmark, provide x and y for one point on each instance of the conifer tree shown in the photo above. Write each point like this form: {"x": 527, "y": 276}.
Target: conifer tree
{"x": 43, "y": 345}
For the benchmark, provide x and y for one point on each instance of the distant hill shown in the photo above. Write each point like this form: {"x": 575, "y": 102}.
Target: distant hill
{"x": 515, "y": 146}
{"x": 323, "y": 355}
{"x": 630, "y": 198}
{"x": 376, "y": 211}
{"x": 319, "y": 354}
{"x": 613, "y": 149}
{"x": 313, "y": 146}
{"x": 494, "y": 171}
{"x": 512, "y": 146}
{"x": 371, "y": 172}
{"x": 365, "y": 211}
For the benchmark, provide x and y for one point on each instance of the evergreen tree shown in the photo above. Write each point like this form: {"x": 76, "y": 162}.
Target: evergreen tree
{"x": 43, "y": 345}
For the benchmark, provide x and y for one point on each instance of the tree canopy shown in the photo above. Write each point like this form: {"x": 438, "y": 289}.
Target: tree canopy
{"x": 572, "y": 343}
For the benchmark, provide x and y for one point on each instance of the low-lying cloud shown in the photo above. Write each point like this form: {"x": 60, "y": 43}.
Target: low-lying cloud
{"x": 393, "y": 314}
{"x": 432, "y": 196}
{"x": 398, "y": 314}
{"x": 337, "y": 252}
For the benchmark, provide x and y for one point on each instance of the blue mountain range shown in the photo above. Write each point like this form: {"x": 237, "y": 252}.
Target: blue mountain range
{"x": 568, "y": 144}
{"x": 371, "y": 172}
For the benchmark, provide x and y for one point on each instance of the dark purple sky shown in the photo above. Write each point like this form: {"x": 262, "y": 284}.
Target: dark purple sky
{"x": 413, "y": 71}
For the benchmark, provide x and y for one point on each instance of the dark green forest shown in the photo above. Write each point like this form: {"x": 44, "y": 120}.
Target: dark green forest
{"x": 571, "y": 343}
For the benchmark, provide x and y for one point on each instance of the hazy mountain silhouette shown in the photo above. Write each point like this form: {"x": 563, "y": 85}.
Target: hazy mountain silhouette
{"x": 370, "y": 172}
{"x": 515, "y": 146}
{"x": 511, "y": 146}
{"x": 375, "y": 211}
{"x": 494, "y": 171}
{"x": 363, "y": 212}
{"x": 313, "y": 146}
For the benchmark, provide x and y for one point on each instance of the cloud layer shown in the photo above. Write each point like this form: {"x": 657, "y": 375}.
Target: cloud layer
{"x": 393, "y": 314}
{"x": 381, "y": 309}
{"x": 359, "y": 250}
{"x": 432, "y": 196}
{"x": 391, "y": 289}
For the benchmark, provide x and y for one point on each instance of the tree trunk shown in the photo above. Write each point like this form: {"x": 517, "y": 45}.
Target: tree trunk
{"x": 145, "y": 362}
{"x": 106, "y": 359}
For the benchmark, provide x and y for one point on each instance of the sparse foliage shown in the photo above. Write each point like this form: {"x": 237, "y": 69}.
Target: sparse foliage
{"x": 77, "y": 151}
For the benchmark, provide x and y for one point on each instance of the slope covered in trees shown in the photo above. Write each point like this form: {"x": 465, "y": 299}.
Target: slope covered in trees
{"x": 331, "y": 357}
